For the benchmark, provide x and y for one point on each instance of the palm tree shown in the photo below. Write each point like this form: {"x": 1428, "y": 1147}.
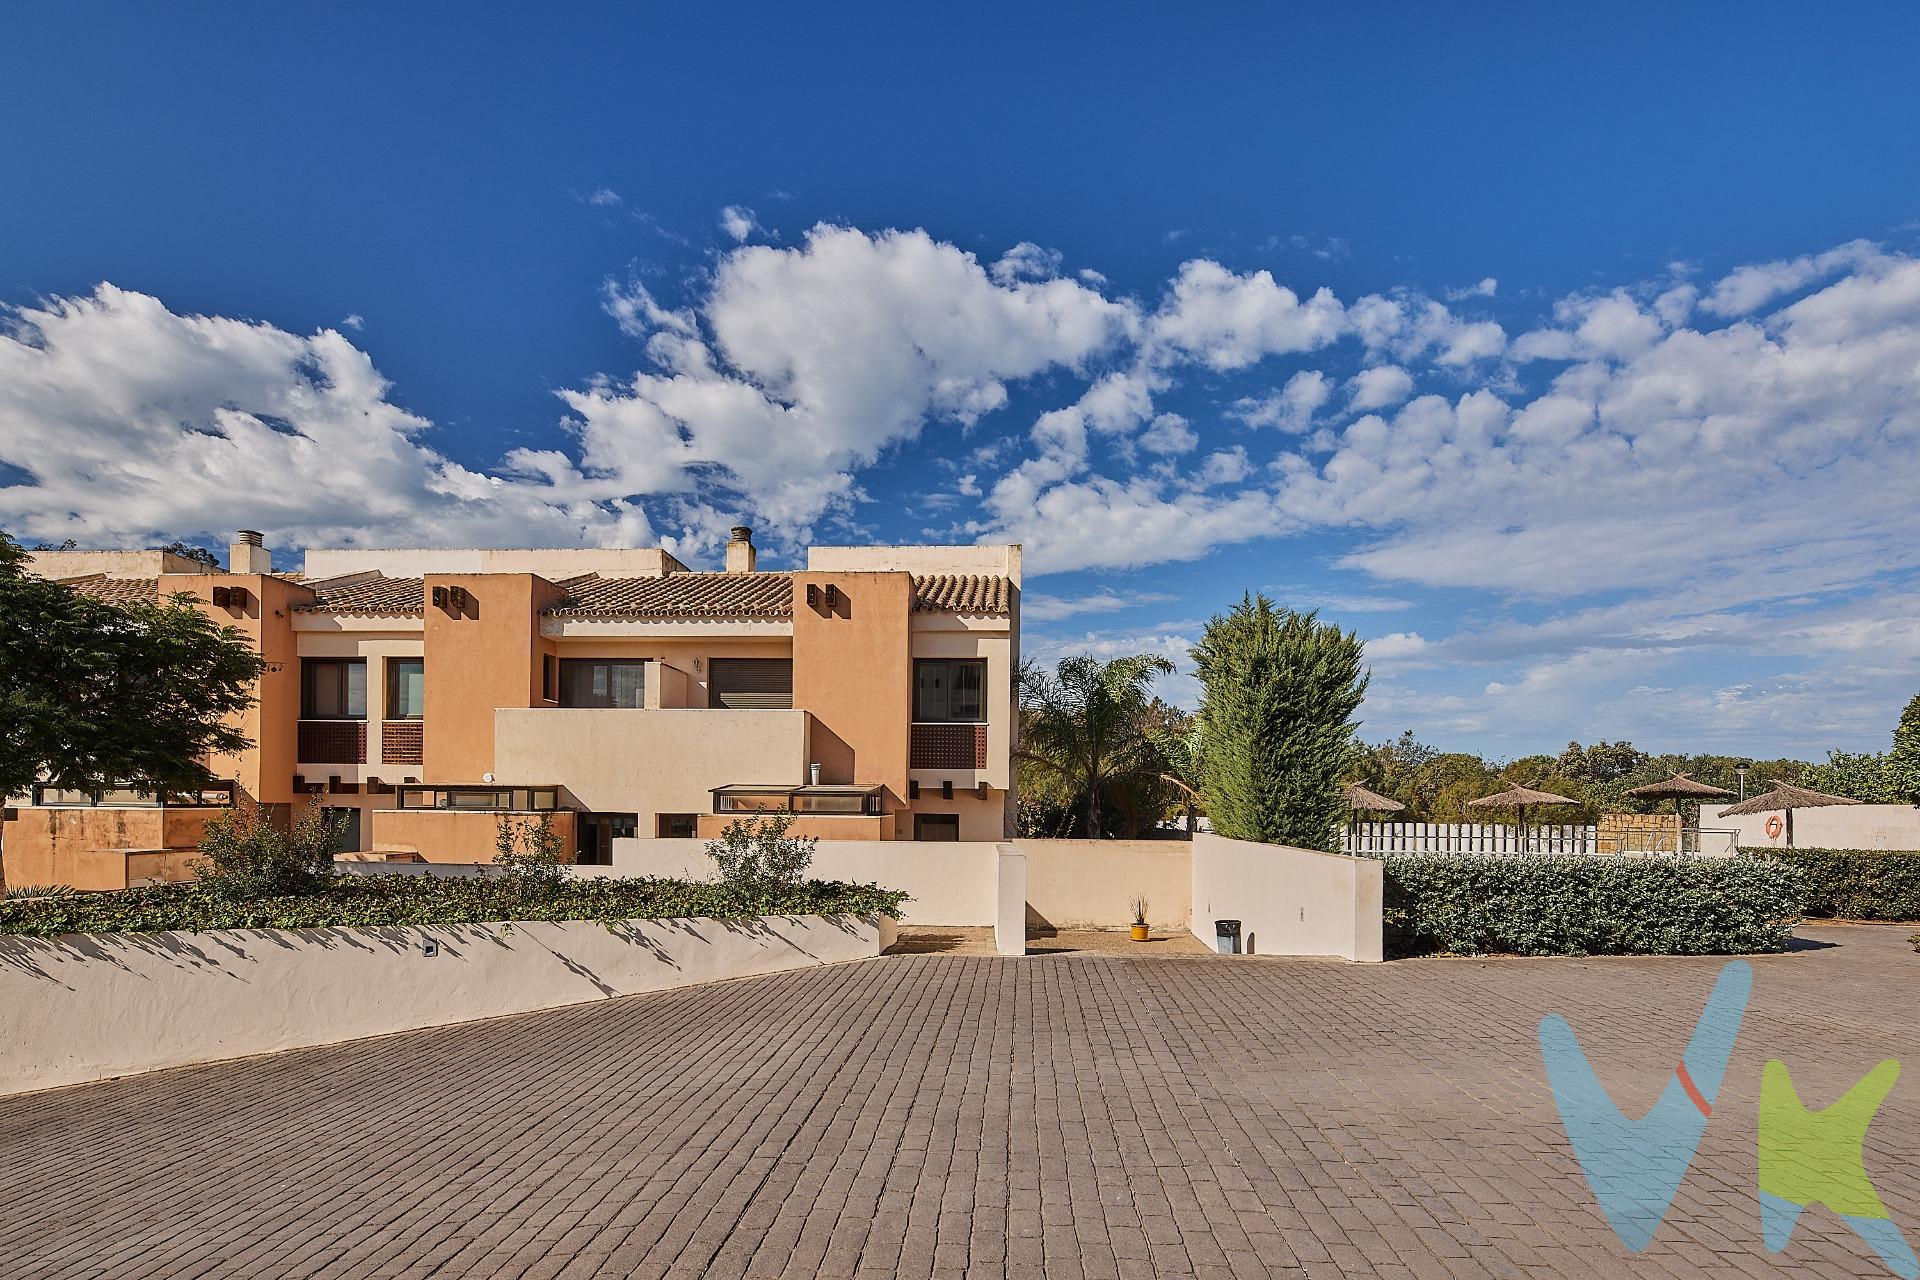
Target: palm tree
{"x": 1086, "y": 724}
{"x": 1179, "y": 750}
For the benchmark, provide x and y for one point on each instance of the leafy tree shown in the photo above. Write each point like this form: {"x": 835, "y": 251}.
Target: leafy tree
{"x": 757, "y": 853}
{"x": 1281, "y": 689}
{"x": 94, "y": 694}
{"x": 1865, "y": 776}
{"x": 1085, "y": 726}
{"x": 1903, "y": 762}
{"x": 245, "y": 856}
{"x": 1180, "y": 748}
{"x": 199, "y": 555}
{"x": 529, "y": 851}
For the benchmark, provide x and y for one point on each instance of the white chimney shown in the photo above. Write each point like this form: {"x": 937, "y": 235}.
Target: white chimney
{"x": 740, "y": 553}
{"x": 246, "y": 554}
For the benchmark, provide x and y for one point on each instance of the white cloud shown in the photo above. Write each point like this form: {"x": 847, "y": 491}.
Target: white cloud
{"x": 1029, "y": 261}
{"x": 1169, "y": 434}
{"x": 1379, "y": 387}
{"x": 1037, "y": 607}
{"x": 602, "y": 197}
{"x": 354, "y": 321}
{"x": 1292, "y": 407}
{"x": 1230, "y": 321}
{"x": 1746, "y": 289}
{"x": 135, "y": 423}
{"x": 738, "y": 222}
{"x": 1487, "y": 288}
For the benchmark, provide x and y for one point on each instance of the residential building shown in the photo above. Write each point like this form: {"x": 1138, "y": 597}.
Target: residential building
{"x": 422, "y": 694}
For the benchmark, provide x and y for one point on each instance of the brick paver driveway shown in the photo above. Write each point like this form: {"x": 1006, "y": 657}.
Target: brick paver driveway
{"x": 1071, "y": 1115}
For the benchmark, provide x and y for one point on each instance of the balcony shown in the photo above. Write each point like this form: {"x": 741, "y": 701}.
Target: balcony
{"x": 947, "y": 746}
{"x": 400, "y": 742}
{"x": 332, "y": 742}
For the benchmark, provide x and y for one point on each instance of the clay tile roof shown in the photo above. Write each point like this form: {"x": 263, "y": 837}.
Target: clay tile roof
{"x": 961, "y": 593}
{"x": 383, "y": 596}
{"x": 681, "y": 595}
{"x": 117, "y": 590}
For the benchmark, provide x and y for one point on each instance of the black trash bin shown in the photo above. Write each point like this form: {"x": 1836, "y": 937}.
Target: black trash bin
{"x": 1226, "y": 937}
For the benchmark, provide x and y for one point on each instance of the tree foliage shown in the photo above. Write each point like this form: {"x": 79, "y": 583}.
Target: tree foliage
{"x": 1086, "y": 728}
{"x": 243, "y": 855}
{"x": 94, "y": 694}
{"x": 757, "y": 853}
{"x": 1276, "y": 722}
{"x": 1903, "y": 762}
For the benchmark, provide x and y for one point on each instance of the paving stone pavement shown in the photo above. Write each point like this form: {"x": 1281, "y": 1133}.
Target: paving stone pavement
{"x": 1076, "y": 1115}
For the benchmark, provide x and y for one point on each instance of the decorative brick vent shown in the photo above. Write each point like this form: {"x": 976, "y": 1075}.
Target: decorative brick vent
{"x": 948, "y": 746}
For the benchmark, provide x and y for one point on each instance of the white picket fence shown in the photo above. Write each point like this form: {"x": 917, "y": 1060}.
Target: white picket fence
{"x": 1466, "y": 837}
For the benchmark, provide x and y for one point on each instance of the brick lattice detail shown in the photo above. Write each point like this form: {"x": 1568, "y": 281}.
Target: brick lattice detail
{"x": 400, "y": 741}
{"x": 332, "y": 742}
{"x": 948, "y": 746}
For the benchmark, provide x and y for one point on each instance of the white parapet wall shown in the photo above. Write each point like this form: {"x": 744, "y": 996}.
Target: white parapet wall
{"x": 89, "y": 1007}
{"x": 1010, "y": 913}
{"x": 1841, "y": 826}
{"x": 1290, "y": 902}
{"x": 951, "y": 882}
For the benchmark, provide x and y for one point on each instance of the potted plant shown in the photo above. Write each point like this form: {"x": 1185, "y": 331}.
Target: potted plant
{"x": 1139, "y": 919}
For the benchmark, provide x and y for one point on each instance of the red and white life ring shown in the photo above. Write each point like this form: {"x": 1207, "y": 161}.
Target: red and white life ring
{"x": 1774, "y": 826}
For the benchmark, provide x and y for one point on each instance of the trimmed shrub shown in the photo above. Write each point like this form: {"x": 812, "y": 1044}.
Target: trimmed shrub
{"x": 1568, "y": 906}
{"x": 1854, "y": 884}
{"x": 383, "y": 901}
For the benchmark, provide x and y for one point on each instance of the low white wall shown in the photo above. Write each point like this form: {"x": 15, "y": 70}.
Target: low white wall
{"x": 952, "y": 882}
{"x": 1290, "y": 902}
{"x": 1843, "y": 826}
{"x": 88, "y": 1007}
{"x": 1090, "y": 884}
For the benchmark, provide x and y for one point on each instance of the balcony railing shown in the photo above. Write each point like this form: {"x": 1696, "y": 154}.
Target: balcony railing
{"x": 332, "y": 742}
{"x": 400, "y": 742}
{"x": 948, "y": 746}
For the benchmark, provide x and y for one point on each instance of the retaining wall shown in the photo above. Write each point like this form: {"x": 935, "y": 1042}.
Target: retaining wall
{"x": 88, "y": 1007}
{"x": 1290, "y": 902}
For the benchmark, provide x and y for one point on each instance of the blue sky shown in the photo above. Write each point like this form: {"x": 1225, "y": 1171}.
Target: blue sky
{"x": 1604, "y": 424}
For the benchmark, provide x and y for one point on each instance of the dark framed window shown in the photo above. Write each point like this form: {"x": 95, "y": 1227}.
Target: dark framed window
{"x": 603, "y": 682}
{"x": 950, "y": 690}
{"x": 936, "y": 826}
{"x": 598, "y": 831}
{"x": 406, "y": 688}
{"x": 750, "y": 684}
{"x": 676, "y": 826}
{"x": 549, "y": 677}
{"x": 333, "y": 689}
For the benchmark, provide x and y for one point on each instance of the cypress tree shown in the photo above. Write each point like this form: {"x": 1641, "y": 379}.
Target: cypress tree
{"x": 1276, "y": 717}
{"x": 1903, "y": 762}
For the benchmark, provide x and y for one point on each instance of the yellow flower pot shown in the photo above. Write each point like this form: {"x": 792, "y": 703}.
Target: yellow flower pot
{"x": 1139, "y": 933}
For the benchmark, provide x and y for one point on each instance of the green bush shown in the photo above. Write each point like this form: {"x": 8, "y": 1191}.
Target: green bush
{"x": 757, "y": 853}
{"x": 1565, "y": 906}
{"x": 244, "y": 856}
{"x": 382, "y": 901}
{"x": 1855, "y": 884}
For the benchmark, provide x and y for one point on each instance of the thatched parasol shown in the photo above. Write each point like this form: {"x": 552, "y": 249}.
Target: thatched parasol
{"x": 1518, "y": 797}
{"x": 1785, "y": 798}
{"x": 1361, "y": 800}
{"x": 1679, "y": 788}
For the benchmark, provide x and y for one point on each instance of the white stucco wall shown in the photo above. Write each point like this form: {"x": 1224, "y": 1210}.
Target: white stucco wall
{"x": 1090, "y": 884}
{"x": 1849, "y": 826}
{"x": 89, "y": 1007}
{"x": 952, "y": 882}
{"x": 1290, "y": 902}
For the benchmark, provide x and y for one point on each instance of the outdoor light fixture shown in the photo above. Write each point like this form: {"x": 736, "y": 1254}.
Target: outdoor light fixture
{"x": 813, "y": 597}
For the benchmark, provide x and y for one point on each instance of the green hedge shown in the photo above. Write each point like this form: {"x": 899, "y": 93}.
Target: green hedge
{"x": 1855, "y": 884}
{"x": 1566, "y": 906}
{"x": 380, "y": 901}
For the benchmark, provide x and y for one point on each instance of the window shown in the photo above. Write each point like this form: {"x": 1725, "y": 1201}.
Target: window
{"x": 406, "y": 688}
{"x": 936, "y": 826}
{"x": 549, "y": 677}
{"x": 346, "y": 829}
{"x": 750, "y": 684}
{"x": 514, "y": 799}
{"x": 676, "y": 826}
{"x": 946, "y": 690}
{"x": 333, "y": 689}
{"x": 603, "y": 682}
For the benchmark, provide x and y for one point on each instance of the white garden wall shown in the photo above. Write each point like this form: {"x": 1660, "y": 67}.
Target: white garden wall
{"x": 1290, "y": 902}
{"x": 1848, "y": 826}
{"x": 89, "y": 1007}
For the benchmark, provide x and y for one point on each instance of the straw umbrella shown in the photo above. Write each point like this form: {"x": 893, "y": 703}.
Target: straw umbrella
{"x": 1361, "y": 800}
{"x": 1680, "y": 788}
{"x": 1519, "y": 797}
{"x": 1785, "y": 797}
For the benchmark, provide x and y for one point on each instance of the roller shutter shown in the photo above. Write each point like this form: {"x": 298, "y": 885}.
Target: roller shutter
{"x": 750, "y": 684}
